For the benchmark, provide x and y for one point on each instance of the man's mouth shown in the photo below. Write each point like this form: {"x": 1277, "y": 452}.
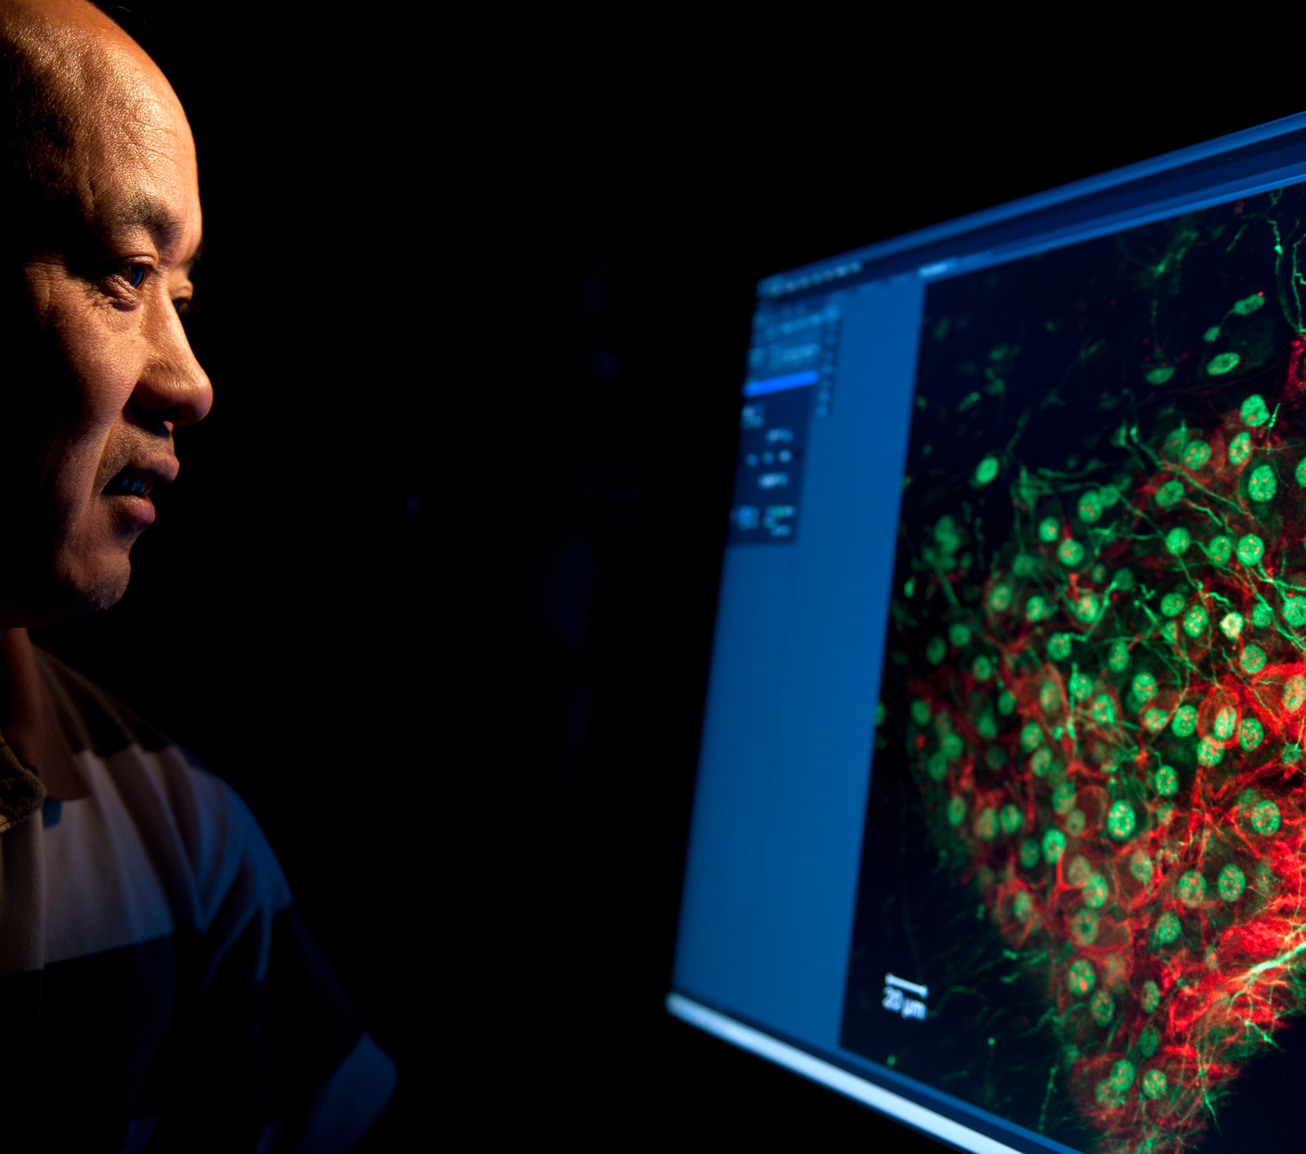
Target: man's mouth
{"x": 125, "y": 484}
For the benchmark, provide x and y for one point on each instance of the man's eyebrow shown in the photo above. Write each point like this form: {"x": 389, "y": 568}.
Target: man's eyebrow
{"x": 144, "y": 210}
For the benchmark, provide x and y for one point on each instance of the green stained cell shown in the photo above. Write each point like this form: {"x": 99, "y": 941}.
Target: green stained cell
{"x": 1099, "y": 572}
{"x": 1195, "y": 621}
{"x": 995, "y": 758}
{"x": 1265, "y": 818}
{"x": 1090, "y": 506}
{"x": 1240, "y": 449}
{"x": 1102, "y": 1007}
{"x": 1048, "y": 529}
{"x": 1220, "y": 550}
{"x": 1096, "y": 891}
{"x": 1049, "y": 697}
{"x": 959, "y": 634}
{"x": 1253, "y": 411}
{"x": 1080, "y": 686}
{"x": 1222, "y": 363}
{"x": 1169, "y": 495}
{"x": 1191, "y": 889}
{"x": 1123, "y": 579}
{"x": 1144, "y": 687}
{"x": 1075, "y": 822}
{"x": 1041, "y": 762}
{"x": 1300, "y": 474}
{"x": 1059, "y": 646}
{"x": 936, "y": 650}
{"x": 1023, "y": 564}
{"x": 1122, "y": 1075}
{"x": 1225, "y": 723}
{"x": 1231, "y": 625}
{"x": 1022, "y": 905}
{"x": 1159, "y": 376}
{"x": 1054, "y": 845}
{"x": 1083, "y": 927}
{"x": 1070, "y": 552}
{"x": 942, "y": 723}
{"x": 956, "y": 809}
{"x": 1172, "y": 604}
{"x": 1294, "y": 611}
{"x": 1209, "y": 752}
{"x": 986, "y": 824}
{"x": 1211, "y": 334}
{"x": 1141, "y": 868}
{"x": 1029, "y": 853}
{"x": 1010, "y": 819}
{"x": 1291, "y": 753}
{"x": 987, "y": 726}
{"x": 1262, "y": 614}
{"x": 1030, "y": 736}
{"x": 1063, "y": 797}
{"x": 1088, "y": 608}
{"x": 1249, "y": 304}
{"x": 1000, "y": 597}
{"x": 1178, "y": 540}
{"x": 1103, "y": 710}
{"x": 1079, "y": 871}
{"x": 951, "y": 745}
{"x": 1261, "y": 485}
{"x": 1117, "y": 657}
{"x": 1166, "y": 781}
{"x": 920, "y": 712}
{"x": 1252, "y": 659}
{"x": 1164, "y": 814}
{"x": 987, "y": 469}
{"x": 1185, "y": 721}
{"x": 1196, "y": 455}
{"x": 1250, "y": 733}
{"x": 1154, "y": 1083}
{"x": 1166, "y": 929}
{"x": 1251, "y": 548}
{"x": 982, "y": 668}
{"x": 1081, "y": 977}
{"x": 1155, "y": 719}
{"x": 1170, "y": 631}
{"x": 1120, "y": 820}
{"x": 1035, "y": 608}
{"x": 937, "y": 767}
{"x": 1006, "y": 703}
{"x": 1294, "y": 693}
{"x": 945, "y": 534}
{"x": 1150, "y": 998}
{"x": 1231, "y": 883}
{"x": 1150, "y": 1037}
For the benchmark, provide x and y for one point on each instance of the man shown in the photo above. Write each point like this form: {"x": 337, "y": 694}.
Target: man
{"x": 158, "y": 991}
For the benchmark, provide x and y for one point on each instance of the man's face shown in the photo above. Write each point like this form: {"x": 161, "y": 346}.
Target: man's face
{"x": 103, "y": 371}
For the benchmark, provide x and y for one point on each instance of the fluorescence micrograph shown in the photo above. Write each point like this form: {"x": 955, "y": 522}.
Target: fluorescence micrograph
{"x": 1086, "y": 835}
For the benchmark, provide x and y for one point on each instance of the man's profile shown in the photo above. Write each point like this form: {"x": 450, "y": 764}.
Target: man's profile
{"x": 159, "y": 991}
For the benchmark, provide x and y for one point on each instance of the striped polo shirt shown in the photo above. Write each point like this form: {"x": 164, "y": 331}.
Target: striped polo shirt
{"x": 157, "y": 991}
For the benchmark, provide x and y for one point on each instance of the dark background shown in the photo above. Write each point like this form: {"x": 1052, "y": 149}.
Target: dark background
{"x": 434, "y": 590}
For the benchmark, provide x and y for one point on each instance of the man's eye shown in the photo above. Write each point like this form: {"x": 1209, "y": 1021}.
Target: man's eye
{"x": 135, "y": 274}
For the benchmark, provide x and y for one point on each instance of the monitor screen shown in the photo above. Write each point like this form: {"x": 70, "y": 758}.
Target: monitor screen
{"x": 1000, "y": 818}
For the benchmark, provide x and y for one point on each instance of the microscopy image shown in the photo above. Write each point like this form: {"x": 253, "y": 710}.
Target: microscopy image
{"x": 1085, "y": 858}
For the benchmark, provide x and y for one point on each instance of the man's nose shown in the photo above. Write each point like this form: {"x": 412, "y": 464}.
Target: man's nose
{"x": 173, "y": 387}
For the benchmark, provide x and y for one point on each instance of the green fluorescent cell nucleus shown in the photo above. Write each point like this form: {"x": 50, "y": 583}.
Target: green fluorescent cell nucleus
{"x": 1141, "y": 868}
{"x": 1261, "y": 485}
{"x": 1144, "y": 687}
{"x": 1166, "y": 929}
{"x": 982, "y": 668}
{"x": 1117, "y": 657}
{"x": 1029, "y": 853}
{"x": 1070, "y": 553}
{"x": 1154, "y": 1083}
{"x": 1096, "y": 892}
{"x": 1240, "y": 449}
{"x": 1250, "y": 549}
{"x": 1178, "y": 540}
{"x": 936, "y": 650}
{"x": 1196, "y": 455}
{"x": 1022, "y": 905}
{"x": 1265, "y": 818}
{"x": 1253, "y": 411}
{"x": 1195, "y": 621}
{"x": 1160, "y": 375}
{"x": 1172, "y": 604}
{"x": 1253, "y": 659}
{"x": 1185, "y": 721}
{"x": 1101, "y": 1007}
{"x": 1249, "y": 304}
{"x": 986, "y": 470}
{"x": 1011, "y": 819}
{"x": 1120, "y": 820}
{"x": 1054, "y": 845}
{"x": 1000, "y": 597}
{"x": 1250, "y": 733}
{"x": 1166, "y": 781}
{"x": 1059, "y": 646}
{"x": 1169, "y": 495}
{"x": 1149, "y": 1037}
{"x": 1150, "y": 998}
{"x": 1220, "y": 550}
{"x": 1090, "y": 506}
{"x": 1231, "y": 625}
{"x": 1294, "y": 611}
{"x": 1231, "y": 883}
{"x": 1294, "y": 693}
{"x": 1035, "y": 608}
{"x": 1080, "y": 687}
{"x": 1048, "y": 529}
{"x": 1191, "y": 889}
{"x": 956, "y": 810}
{"x": 959, "y": 634}
{"x": 1081, "y": 977}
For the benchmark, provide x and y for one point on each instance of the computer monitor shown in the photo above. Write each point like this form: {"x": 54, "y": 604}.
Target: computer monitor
{"x": 1000, "y": 820}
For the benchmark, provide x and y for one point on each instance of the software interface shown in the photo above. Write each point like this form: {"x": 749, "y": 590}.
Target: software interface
{"x": 1002, "y": 796}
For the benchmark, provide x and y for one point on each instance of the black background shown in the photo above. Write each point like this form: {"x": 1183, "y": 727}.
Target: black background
{"x": 434, "y": 590}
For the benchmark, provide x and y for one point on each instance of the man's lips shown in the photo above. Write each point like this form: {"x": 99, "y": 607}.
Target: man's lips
{"x": 138, "y": 479}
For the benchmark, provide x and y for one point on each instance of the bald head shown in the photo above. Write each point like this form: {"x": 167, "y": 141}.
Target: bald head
{"x": 76, "y": 89}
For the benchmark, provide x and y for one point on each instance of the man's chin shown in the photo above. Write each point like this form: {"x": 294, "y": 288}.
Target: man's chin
{"x": 66, "y": 599}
